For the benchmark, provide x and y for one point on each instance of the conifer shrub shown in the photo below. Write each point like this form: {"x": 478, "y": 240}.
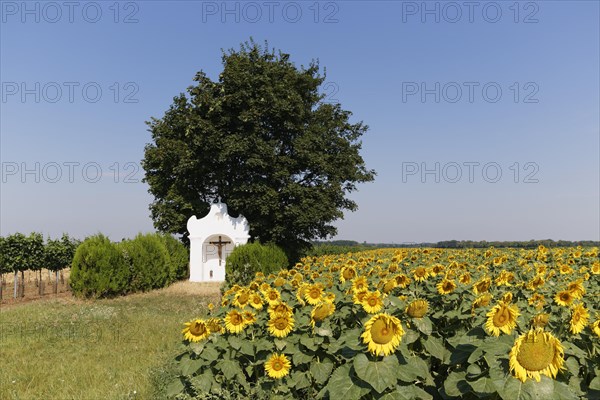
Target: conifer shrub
{"x": 149, "y": 262}
{"x": 246, "y": 260}
{"x": 180, "y": 258}
{"x": 99, "y": 269}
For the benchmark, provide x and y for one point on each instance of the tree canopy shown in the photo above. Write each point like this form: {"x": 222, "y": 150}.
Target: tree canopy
{"x": 261, "y": 139}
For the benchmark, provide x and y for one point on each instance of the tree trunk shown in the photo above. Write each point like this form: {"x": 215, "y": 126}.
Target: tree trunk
{"x": 41, "y": 284}
{"x": 56, "y": 283}
{"x": 16, "y": 282}
{"x": 22, "y": 283}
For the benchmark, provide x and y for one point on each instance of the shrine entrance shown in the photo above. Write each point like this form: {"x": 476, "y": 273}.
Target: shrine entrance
{"x": 215, "y": 250}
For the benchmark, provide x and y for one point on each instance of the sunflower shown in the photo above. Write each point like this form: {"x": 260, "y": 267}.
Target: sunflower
{"x": 596, "y": 268}
{"x": 502, "y": 317}
{"x": 320, "y": 312}
{"x": 483, "y": 300}
{"x": 465, "y": 278}
{"x": 314, "y": 293}
{"x": 508, "y": 297}
{"x": 234, "y": 321}
{"x": 446, "y": 286}
{"x": 420, "y": 274}
{"x": 329, "y": 297}
{"x": 256, "y": 301}
{"x": 382, "y": 334}
{"x": 279, "y": 308}
{"x": 418, "y": 308}
{"x": 372, "y": 302}
{"x": 241, "y": 299}
{"x": 579, "y": 319}
{"x": 437, "y": 269}
{"x": 538, "y": 300}
{"x": 482, "y": 285}
{"x": 278, "y": 366}
{"x": 249, "y": 317}
{"x": 536, "y": 282}
{"x": 195, "y": 330}
{"x": 540, "y": 320}
{"x": 402, "y": 280}
{"x": 536, "y": 353}
{"x": 359, "y": 284}
{"x": 280, "y": 325}
{"x": 214, "y": 325}
{"x": 279, "y": 282}
{"x": 389, "y": 285}
{"x": 564, "y": 298}
{"x": 264, "y": 287}
{"x": 505, "y": 278}
{"x": 301, "y": 292}
{"x": 272, "y": 296}
{"x": 576, "y": 288}
{"x": 358, "y": 297}
{"x": 595, "y": 327}
{"x": 347, "y": 273}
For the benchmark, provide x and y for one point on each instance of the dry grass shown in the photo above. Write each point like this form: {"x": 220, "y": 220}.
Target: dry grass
{"x": 104, "y": 349}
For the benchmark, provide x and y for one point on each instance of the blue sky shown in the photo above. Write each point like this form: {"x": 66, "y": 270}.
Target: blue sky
{"x": 484, "y": 121}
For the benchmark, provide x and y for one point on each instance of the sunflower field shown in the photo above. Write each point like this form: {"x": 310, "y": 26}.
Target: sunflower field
{"x": 405, "y": 324}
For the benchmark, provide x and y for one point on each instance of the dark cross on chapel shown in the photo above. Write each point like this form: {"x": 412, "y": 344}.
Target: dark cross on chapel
{"x": 220, "y": 245}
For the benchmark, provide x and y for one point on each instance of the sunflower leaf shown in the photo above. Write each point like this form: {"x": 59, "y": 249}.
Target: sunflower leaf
{"x": 381, "y": 375}
{"x": 321, "y": 371}
{"x": 483, "y": 386}
{"x": 203, "y": 382}
{"x": 342, "y": 386}
{"x": 456, "y": 385}
{"x": 423, "y": 324}
{"x": 572, "y": 365}
{"x": 175, "y": 388}
{"x": 235, "y": 342}
{"x": 209, "y": 354}
{"x": 436, "y": 348}
{"x": 230, "y": 368}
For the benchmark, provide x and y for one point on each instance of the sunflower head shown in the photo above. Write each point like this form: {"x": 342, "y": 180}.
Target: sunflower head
{"x": 402, "y": 280}
{"x": 595, "y": 327}
{"x": 234, "y": 321}
{"x": 389, "y": 285}
{"x": 482, "y": 286}
{"x": 536, "y": 353}
{"x": 540, "y": 320}
{"x": 446, "y": 286}
{"x": 382, "y": 334}
{"x": 359, "y": 284}
{"x": 502, "y": 318}
{"x": 215, "y": 326}
{"x": 372, "y": 302}
{"x": 564, "y": 298}
{"x": 420, "y": 274}
{"x": 320, "y": 312}
{"x": 347, "y": 273}
{"x": 278, "y": 366}
{"x": 418, "y": 308}
{"x": 196, "y": 330}
{"x": 280, "y": 308}
{"x": 314, "y": 293}
{"x": 579, "y": 319}
{"x": 280, "y": 325}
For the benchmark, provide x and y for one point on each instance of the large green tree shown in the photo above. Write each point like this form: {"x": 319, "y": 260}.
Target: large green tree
{"x": 261, "y": 139}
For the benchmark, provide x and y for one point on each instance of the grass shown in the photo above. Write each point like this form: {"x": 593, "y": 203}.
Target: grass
{"x": 104, "y": 349}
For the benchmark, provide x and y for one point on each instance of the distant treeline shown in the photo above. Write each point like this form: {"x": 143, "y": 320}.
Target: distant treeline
{"x": 345, "y": 246}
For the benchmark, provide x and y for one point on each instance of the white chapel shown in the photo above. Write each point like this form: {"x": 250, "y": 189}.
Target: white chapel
{"x": 212, "y": 238}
